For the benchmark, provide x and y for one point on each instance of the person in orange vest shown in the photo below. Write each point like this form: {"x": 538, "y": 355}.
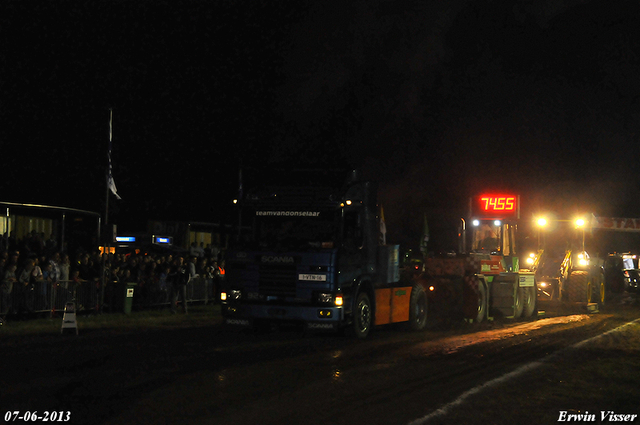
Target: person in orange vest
{"x": 219, "y": 275}
{"x": 221, "y": 269}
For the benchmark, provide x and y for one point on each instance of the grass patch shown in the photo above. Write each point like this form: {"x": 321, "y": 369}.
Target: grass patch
{"x": 199, "y": 315}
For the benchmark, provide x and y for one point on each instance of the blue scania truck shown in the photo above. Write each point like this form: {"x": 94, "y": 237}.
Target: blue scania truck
{"x": 313, "y": 255}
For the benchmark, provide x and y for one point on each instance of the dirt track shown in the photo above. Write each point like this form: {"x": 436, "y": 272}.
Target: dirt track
{"x": 202, "y": 374}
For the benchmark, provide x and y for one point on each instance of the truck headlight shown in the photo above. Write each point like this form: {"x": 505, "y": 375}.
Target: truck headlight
{"x": 325, "y": 298}
{"x": 329, "y": 298}
{"x": 232, "y": 295}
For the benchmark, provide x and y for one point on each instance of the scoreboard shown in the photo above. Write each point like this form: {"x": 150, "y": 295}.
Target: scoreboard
{"x": 496, "y": 206}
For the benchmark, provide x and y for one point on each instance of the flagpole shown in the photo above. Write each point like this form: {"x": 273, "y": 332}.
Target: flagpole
{"x": 106, "y": 212}
{"x": 106, "y": 215}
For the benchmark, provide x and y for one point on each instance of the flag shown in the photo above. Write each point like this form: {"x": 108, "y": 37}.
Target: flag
{"x": 425, "y": 236}
{"x": 112, "y": 186}
{"x": 110, "y": 183}
{"x": 383, "y": 228}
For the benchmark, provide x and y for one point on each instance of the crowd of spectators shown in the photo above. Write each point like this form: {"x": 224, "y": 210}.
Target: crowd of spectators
{"x": 36, "y": 276}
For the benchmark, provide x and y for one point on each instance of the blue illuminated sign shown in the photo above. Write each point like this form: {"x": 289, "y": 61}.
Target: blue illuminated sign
{"x": 125, "y": 238}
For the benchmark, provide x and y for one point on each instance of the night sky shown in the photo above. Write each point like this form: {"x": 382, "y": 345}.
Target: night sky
{"x": 435, "y": 100}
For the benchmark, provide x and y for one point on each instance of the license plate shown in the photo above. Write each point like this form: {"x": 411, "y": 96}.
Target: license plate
{"x": 313, "y": 277}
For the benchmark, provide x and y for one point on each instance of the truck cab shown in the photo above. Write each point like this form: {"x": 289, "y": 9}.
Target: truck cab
{"x": 309, "y": 255}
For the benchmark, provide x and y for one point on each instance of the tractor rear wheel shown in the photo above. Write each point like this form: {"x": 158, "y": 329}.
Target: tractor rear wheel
{"x": 518, "y": 302}
{"x": 578, "y": 287}
{"x": 530, "y": 298}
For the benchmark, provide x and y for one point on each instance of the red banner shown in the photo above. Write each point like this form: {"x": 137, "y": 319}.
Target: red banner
{"x": 616, "y": 223}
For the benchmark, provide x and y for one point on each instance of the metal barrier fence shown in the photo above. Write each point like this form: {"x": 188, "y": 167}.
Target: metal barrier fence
{"x": 51, "y": 297}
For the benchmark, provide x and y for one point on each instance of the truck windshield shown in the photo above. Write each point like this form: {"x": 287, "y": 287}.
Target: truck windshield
{"x": 292, "y": 230}
{"x": 485, "y": 238}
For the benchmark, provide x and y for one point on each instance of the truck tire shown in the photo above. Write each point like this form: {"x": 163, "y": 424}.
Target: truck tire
{"x": 562, "y": 290}
{"x": 598, "y": 289}
{"x": 362, "y": 316}
{"x": 418, "y": 308}
{"x": 482, "y": 302}
{"x": 518, "y": 301}
{"x": 577, "y": 287}
{"x": 530, "y": 298}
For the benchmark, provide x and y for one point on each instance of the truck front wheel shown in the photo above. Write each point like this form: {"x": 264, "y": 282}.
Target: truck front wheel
{"x": 362, "y": 316}
{"x": 418, "y": 308}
